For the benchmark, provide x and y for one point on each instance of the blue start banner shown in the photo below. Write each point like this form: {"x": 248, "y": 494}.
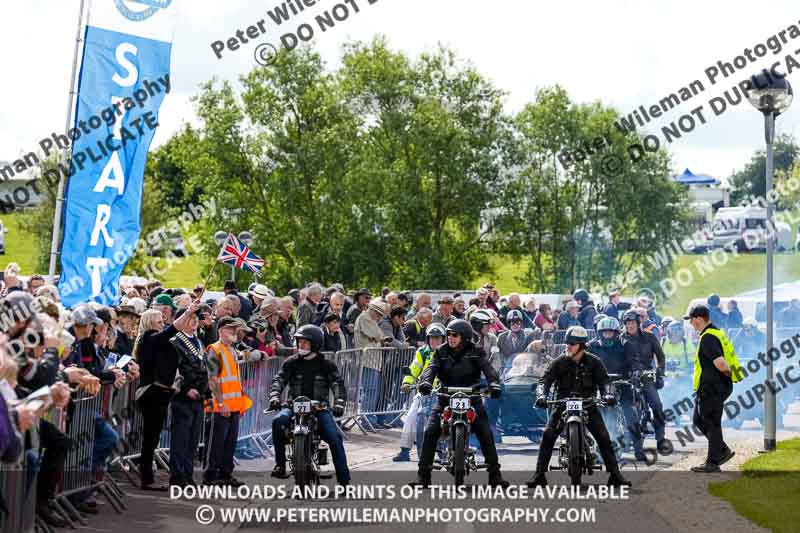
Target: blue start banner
{"x": 124, "y": 77}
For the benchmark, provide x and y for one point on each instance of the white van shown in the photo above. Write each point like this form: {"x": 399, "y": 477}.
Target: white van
{"x": 742, "y": 227}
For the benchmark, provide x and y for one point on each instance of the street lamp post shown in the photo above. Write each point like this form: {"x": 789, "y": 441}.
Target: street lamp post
{"x": 772, "y": 96}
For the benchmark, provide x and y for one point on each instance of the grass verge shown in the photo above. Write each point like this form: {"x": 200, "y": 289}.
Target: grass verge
{"x": 768, "y": 492}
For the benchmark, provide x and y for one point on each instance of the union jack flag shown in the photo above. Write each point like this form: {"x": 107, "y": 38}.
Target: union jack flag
{"x": 234, "y": 252}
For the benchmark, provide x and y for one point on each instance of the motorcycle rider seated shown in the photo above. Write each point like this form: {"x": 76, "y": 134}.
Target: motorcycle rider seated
{"x": 642, "y": 347}
{"x": 309, "y": 374}
{"x": 459, "y": 363}
{"x": 576, "y": 373}
{"x": 609, "y": 349}
{"x": 434, "y": 337}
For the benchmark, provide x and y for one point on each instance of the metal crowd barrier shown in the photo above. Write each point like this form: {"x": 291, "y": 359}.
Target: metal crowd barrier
{"x": 382, "y": 375}
{"x": 18, "y": 490}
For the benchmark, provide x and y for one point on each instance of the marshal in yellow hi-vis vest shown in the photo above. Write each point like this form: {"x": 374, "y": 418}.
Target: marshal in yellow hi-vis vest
{"x": 727, "y": 352}
{"x": 230, "y": 383}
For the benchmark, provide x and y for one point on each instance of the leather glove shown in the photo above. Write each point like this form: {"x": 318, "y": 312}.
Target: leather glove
{"x": 405, "y": 388}
{"x": 610, "y": 400}
{"x": 659, "y": 381}
{"x": 541, "y": 402}
{"x": 425, "y": 388}
{"x": 275, "y": 404}
{"x": 337, "y": 410}
{"x": 495, "y": 391}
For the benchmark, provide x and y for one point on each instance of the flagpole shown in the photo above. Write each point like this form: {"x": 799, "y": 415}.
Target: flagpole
{"x": 64, "y": 156}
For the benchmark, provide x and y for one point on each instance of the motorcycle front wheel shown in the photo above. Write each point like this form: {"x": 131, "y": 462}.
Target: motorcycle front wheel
{"x": 459, "y": 446}
{"x": 575, "y": 467}
{"x": 303, "y": 469}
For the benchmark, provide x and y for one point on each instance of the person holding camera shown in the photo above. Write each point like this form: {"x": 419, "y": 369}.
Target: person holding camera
{"x": 227, "y": 405}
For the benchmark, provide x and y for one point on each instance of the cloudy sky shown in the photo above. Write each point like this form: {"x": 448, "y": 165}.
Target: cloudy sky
{"x": 623, "y": 53}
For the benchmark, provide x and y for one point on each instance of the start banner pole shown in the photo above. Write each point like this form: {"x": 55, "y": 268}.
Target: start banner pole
{"x": 65, "y": 154}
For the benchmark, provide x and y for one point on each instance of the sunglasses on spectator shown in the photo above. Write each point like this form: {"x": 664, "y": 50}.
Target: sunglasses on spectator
{"x": 573, "y": 343}
{"x": 452, "y": 334}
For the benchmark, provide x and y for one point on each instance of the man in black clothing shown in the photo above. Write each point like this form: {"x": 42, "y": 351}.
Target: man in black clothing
{"x": 576, "y": 373}
{"x": 309, "y": 374}
{"x": 459, "y": 363}
{"x": 641, "y": 348}
{"x": 187, "y": 404}
{"x": 609, "y": 349}
{"x": 713, "y": 384}
{"x": 158, "y": 366}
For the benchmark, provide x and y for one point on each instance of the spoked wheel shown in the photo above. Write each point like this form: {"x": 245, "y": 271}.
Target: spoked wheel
{"x": 459, "y": 447}
{"x": 304, "y": 474}
{"x": 575, "y": 467}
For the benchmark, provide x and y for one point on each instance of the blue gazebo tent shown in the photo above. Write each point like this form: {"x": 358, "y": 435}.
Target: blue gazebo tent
{"x": 687, "y": 178}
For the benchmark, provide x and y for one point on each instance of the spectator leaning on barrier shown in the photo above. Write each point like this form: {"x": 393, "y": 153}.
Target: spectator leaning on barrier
{"x": 392, "y": 326}
{"x": 414, "y": 329}
{"x": 228, "y": 404}
{"x": 187, "y": 404}
{"x": 38, "y": 367}
{"x": 569, "y": 317}
{"x": 716, "y": 369}
{"x": 444, "y": 310}
{"x": 368, "y": 334}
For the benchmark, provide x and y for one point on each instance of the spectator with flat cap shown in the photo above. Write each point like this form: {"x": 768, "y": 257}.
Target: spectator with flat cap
{"x": 444, "y": 311}
{"x": 368, "y": 334}
{"x": 361, "y": 300}
{"x": 228, "y": 403}
{"x": 716, "y": 369}
{"x": 165, "y": 304}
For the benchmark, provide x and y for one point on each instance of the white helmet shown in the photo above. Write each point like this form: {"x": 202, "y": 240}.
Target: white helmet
{"x": 749, "y": 322}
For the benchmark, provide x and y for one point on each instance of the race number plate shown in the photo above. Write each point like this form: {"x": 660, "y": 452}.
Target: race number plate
{"x": 302, "y": 407}
{"x": 459, "y": 403}
{"x": 575, "y": 405}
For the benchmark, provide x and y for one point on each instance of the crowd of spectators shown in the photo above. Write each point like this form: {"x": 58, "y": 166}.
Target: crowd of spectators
{"x": 50, "y": 356}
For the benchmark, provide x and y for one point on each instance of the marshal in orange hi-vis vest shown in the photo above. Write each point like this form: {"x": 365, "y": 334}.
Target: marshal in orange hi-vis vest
{"x": 230, "y": 383}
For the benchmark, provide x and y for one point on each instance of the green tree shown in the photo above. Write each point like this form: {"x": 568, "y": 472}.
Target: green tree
{"x": 594, "y": 219}
{"x": 751, "y": 180}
